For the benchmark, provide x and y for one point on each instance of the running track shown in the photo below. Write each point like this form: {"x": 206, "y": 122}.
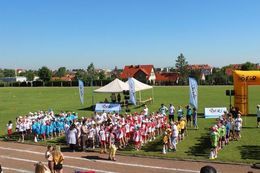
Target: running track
{"x": 16, "y": 157}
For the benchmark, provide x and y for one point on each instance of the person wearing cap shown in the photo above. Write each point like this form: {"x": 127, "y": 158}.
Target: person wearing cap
{"x": 258, "y": 115}
{"x": 174, "y": 135}
{"x": 179, "y": 113}
{"x": 165, "y": 142}
{"x": 214, "y": 138}
{"x": 238, "y": 126}
{"x": 188, "y": 115}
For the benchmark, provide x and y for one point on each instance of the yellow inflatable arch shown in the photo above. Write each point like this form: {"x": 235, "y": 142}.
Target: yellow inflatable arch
{"x": 241, "y": 81}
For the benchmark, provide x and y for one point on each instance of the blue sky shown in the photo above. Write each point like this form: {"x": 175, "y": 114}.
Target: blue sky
{"x": 74, "y": 33}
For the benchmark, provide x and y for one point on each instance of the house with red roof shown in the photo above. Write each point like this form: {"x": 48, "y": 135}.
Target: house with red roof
{"x": 143, "y": 73}
{"x": 203, "y": 68}
{"x": 67, "y": 77}
{"x": 147, "y": 74}
{"x": 167, "y": 78}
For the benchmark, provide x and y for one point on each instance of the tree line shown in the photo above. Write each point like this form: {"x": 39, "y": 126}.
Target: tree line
{"x": 218, "y": 76}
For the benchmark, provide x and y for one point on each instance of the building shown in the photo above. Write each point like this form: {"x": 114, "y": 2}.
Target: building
{"x": 14, "y": 79}
{"x": 143, "y": 73}
{"x": 167, "y": 78}
{"x": 19, "y": 71}
{"x": 229, "y": 70}
{"x": 67, "y": 77}
{"x": 205, "y": 69}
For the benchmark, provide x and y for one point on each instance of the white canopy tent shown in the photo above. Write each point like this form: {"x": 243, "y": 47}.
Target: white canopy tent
{"x": 139, "y": 86}
{"x": 116, "y": 86}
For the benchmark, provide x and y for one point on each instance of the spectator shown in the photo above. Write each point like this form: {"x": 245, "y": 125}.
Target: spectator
{"x": 165, "y": 142}
{"x": 1, "y": 171}
{"x": 9, "y": 128}
{"x": 208, "y": 169}
{"x": 72, "y": 137}
{"x": 84, "y": 135}
{"x": 113, "y": 97}
{"x": 174, "y": 136}
{"x": 188, "y": 115}
{"x": 112, "y": 146}
{"x": 146, "y": 110}
{"x": 171, "y": 112}
{"x": 180, "y": 113}
{"x": 22, "y": 129}
{"x": 214, "y": 138}
{"x": 41, "y": 168}
{"x": 58, "y": 160}
{"x": 194, "y": 118}
{"x": 163, "y": 109}
{"x": 238, "y": 126}
{"x": 119, "y": 98}
{"x": 48, "y": 156}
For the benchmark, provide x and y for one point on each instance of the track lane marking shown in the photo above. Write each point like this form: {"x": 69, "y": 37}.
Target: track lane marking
{"x": 17, "y": 170}
{"x": 67, "y": 166}
{"x": 107, "y": 162}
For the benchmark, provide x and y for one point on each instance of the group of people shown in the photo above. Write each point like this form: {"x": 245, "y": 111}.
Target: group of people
{"x": 176, "y": 130}
{"x": 41, "y": 125}
{"x": 106, "y": 130}
{"x": 228, "y": 127}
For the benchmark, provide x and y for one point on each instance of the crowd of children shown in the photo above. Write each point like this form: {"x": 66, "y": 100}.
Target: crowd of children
{"x": 41, "y": 125}
{"x": 227, "y": 128}
{"x": 105, "y": 130}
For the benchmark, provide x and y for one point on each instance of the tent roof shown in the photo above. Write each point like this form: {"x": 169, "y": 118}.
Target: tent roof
{"x": 139, "y": 86}
{"x": 116, "y": 86}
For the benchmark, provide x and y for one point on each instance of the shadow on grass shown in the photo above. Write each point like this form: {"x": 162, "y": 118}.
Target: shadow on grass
{"x": 201, "y": 148}
{"x": 248, "y": 127}
{"x": 90, "y": 108}
{"x": 201, "y": 115}
{"x": 250, "y": 152}
{"x": 154, "y": 146}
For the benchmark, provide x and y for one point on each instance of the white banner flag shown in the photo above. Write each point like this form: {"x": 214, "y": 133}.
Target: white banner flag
{"x": 132, "y": 90}
{"x": 81, "y": 91}
{"x": 193, "y": 92}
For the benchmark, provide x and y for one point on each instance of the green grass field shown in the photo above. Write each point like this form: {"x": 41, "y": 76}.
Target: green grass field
{"x": 20, "y": 101}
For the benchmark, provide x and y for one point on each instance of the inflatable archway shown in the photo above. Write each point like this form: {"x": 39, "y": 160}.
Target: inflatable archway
{"x": 241, "y": 81}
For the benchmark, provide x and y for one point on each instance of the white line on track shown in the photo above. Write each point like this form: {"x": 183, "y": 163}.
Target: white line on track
{"x": 17, "y": 170}
{"x": 67, "y": 166}
{"x": 107, "y": 162}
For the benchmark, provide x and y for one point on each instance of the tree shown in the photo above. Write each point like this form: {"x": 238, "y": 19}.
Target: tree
{"x": 91, "y": 72}
{"x": 182, "y": 67}
{"x": 1, "y": 73}
{"x": 9, "y": 73}
{"x": 101, "y": 75}
{"x": 30, "y": 75}
{"x": 45, "y": 74}
{"x": 61, "y": 72}
{"x": 249, "y": 66}
{"x": 81, "y": 74}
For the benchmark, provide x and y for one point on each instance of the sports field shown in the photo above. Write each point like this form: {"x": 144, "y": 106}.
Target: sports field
{"x": 20, "y": 101}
